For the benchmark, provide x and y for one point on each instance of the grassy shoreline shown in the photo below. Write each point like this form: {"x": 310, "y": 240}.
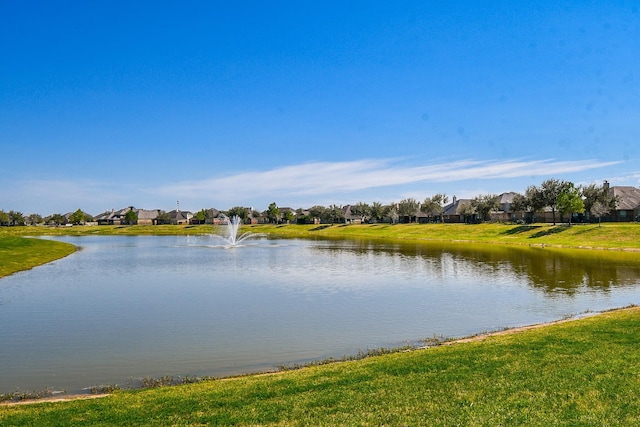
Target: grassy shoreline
{"x": 609, "y": 235}
{"x": 19, "y": 254}
{"x": 579, "y": 372}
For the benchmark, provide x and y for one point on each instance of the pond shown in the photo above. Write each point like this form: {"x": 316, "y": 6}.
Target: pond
{"x": 129, "y": 307}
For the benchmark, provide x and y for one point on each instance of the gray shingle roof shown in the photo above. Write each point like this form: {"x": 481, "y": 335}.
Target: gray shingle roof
{"x": 628, "y": 197}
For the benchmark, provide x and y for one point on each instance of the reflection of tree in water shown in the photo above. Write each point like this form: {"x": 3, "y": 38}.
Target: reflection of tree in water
{"x": 556, "y": 270}
{"x": 549, "y": 269}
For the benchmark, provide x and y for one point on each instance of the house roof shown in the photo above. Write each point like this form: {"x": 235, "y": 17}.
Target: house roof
{"x": 346, "y": 211}
{"x": 628, "y": 197}
{"x": 175, "y": 214}
{"x": 147, "y": 214}
{"x": 455, "y": 207}
{"x": 505, "y": 200}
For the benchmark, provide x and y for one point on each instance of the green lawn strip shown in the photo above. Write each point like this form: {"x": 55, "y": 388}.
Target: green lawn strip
{"x": 607, "y": 236}
{"x": 582, "y": 372}
{"x": 19, "y": 253}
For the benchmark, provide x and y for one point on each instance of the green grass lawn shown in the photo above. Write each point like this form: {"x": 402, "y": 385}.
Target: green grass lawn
{"x": 582, "y": 372}
{"x": 609, "y": 235}
{"x": 17, "y": 253}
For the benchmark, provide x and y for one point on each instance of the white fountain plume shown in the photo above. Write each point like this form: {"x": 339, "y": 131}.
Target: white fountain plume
{"x": 233, "y": 227}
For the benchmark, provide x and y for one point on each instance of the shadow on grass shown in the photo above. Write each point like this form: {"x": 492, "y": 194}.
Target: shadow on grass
{"x": 586, "y": 229}
{"x": 549, "y": 231}
{"x": 320, "y": 227}
{"x": 521, "y": 229}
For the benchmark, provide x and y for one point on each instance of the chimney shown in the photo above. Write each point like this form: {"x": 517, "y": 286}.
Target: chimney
{"x": 605, "y": 185}
{"x": 454, "y": 200}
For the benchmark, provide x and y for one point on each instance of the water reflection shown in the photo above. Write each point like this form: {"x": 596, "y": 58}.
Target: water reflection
{"x": 549, "y": 269}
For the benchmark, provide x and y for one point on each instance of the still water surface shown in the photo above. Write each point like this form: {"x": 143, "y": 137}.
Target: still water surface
{"x": 126, "y": 307}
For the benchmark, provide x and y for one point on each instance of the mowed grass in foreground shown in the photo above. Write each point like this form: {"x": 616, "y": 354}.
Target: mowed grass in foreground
{"x": 582, "y": 372}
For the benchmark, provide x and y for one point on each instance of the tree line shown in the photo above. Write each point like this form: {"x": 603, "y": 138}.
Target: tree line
{"x": 562, "y": 198}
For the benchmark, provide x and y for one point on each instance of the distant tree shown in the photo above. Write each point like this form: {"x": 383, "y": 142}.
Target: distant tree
{"x": 273, "y": 213}
{"x": 599, "y": 209}
{"x": 335, "y": 214}
{"x": 78, "y": 217}
{"x": 569, "y": 201}
{"x": 16, "y": 218}
{"x": 434, "y": 206}
{"x": 57, "y": 219}
{"x": 317, "y": 212}
{"x": 377, "y": 211}
{"x": 601, "y": 194}
{"x": 34, "y": 219}
{"x": 408, "y": 208}
{"x": 163, "y": 218}
{"x": 551, "y": 189}
{"x": 391, "y": 210}
{"x": 520, "y": 203}
{"x": 241, "y": 212}
{"x": 468, "y": 211}
{"x": 200, "y": 217}
{"x": 131, "y": 217}
{"x": 485, "y": 204}
{"x": 289, "y": 216}
{"x": 590, "y": 195}
{"x": 4, "y": 218}
{"x": 362, "y": 210}
{"x": 535, "y": 200}
{"x": 304, "y": 219}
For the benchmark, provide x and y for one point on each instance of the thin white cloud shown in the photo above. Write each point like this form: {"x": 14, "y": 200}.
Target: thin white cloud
{"x": 342, "y": 177}
{"x": 303, "y": 184}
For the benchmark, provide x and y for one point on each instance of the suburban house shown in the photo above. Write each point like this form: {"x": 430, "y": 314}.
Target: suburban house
{"x": 179, "y": 217}
{"x": 147, "y": 217}
{"x": 628, "y": 207}
{"x": 211, "y": 217}
{"x": 350, "y": 218}
{"x": 113, "y": 217}
{"x": 457, "y": 211}
{"x": 284, "y": 211}
{"x": 505, "y": 213}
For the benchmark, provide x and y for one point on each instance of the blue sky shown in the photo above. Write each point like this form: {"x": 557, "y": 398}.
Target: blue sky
{"x": 220, "y": 104}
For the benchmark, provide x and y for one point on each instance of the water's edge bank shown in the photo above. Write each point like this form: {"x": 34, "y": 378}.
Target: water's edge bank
{"x": 446, "y": 342}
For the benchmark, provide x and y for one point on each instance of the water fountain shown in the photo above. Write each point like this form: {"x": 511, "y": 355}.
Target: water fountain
{"x": 233, "y": 227}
